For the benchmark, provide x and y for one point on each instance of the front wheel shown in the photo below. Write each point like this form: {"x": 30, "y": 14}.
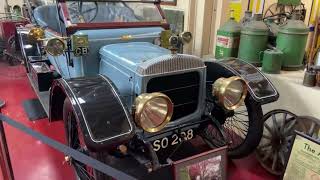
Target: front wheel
{"x": 75, "y": 141}
{"x": 242, "y": 129}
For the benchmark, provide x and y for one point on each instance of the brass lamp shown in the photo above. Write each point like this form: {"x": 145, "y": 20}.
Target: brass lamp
{"x": 230, "y": 92}
{"x": 36, "y": 34}
{"x": 153, "y": 111}
{"x": 55, "y": 46}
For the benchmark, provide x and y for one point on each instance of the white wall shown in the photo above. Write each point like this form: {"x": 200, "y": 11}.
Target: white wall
{"x": 11, "y": 3}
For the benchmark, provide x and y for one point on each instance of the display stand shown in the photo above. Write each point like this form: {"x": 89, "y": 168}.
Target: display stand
{"x": 5, "y": 162}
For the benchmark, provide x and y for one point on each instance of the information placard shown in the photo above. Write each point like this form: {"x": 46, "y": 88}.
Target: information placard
{"x": 208, "y": 165}
{"x": 304, "y": 160}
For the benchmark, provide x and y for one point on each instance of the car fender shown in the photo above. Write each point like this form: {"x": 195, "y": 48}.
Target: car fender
{"x": 103, "y": 118}
{"x": 259, "y": 86}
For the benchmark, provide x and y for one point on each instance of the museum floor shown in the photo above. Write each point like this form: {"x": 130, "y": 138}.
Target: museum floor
{"x": 32, "y": 160}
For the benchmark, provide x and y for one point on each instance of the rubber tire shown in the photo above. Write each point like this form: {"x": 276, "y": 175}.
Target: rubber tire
{"x": 67, "y": 109}
{"x": 255, "y": 130}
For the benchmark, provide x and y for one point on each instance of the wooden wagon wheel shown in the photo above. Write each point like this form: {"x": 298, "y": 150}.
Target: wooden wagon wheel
{"x": 278, "y": 134}
{"x": 278, "y": 13}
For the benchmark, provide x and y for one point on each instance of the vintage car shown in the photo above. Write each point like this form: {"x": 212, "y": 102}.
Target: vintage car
{"x": 111, "y": 72}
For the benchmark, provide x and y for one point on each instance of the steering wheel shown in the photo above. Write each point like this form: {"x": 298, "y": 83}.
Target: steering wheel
{"x": 85, "y": 13}
{"x": 132, "y": 11}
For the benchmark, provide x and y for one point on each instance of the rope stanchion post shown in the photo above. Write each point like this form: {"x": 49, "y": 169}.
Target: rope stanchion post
{"x": 5, "y": 162}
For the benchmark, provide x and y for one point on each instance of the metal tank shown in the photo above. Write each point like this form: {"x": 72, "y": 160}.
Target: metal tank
{"x": 247, "y": 17}
{"x": 254, "y": 39}
{"x": 289, "y": 2}
{"x": 228, "y": 37}
{"x": 292, "y": 41}
{"x": 271, "y": 61}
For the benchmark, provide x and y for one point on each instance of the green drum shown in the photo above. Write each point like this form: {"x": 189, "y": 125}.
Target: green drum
{"x": 271, "y": 61}
{"x": 228, "y": 37}
{"x": 292, "y": 41}
{"x": 254, "y": 39}
{"x": 289, "y": 2}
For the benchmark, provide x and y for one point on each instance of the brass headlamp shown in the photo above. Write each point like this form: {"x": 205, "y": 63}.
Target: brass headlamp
{"x": 153, "y": 111}
{"x": 36, "y": 34}
{"x": 230, "y": 92}
{"x": 186, "y": 37}
{"x": 55, "y": 46}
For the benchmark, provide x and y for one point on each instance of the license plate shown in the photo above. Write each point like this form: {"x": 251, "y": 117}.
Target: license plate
{"x": 172, "y": 140}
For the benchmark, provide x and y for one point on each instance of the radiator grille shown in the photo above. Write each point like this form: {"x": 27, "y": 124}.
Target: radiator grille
{"x": 183, "y": 90}
{"x": 169, "y": 63}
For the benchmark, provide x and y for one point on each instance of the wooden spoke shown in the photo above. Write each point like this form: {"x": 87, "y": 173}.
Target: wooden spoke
{"x": 289, "y": 128}
{"x": 274, "y": 161}
{"x": 283, "y": 121}
{"x": 282, "y": 158}
{"x": 266, "y": 137}
{"x": 267, "y": 155}
{"x": 265, "y": 146}
{"x": 268, "y": 128}
{"x": 311, "y": 130}
{"x": 275, "y": 124}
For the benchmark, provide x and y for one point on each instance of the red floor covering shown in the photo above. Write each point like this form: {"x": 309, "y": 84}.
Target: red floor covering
{"x": 32, "y": 160}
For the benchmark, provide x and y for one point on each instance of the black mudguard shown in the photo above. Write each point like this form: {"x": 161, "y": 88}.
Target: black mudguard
{"x": 103, "y": 118}
{"x": 259, "y": 86}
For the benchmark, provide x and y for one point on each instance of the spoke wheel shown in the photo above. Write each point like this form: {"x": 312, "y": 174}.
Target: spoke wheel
{"x": 241, "y": 129}
{"x": 278, "y": 134}
{"x": 75, "y": 140}
{"x": 87, "y": 10}
{"x": 279, "y": 13}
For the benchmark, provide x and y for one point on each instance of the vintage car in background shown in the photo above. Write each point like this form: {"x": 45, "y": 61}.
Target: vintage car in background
{"x": 111, "y": 72}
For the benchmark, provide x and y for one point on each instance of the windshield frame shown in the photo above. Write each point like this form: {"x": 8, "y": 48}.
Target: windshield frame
{"x": 73, "y": 27}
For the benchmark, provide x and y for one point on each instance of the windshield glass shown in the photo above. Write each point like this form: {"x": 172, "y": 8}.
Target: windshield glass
{"x": 100, "y": 12}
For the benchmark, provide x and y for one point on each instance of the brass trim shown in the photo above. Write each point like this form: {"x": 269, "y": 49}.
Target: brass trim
{"x": 53, "y": 53}
{"x": 164, "y": 38}
{"x": 36, "y": 34}
{"x": 219, "y": 89}
{"x": 163, "y": 21}
{"x": 186, "y": 37}
{"x": 141, "y": 101}
{"x": 126, "y": 37}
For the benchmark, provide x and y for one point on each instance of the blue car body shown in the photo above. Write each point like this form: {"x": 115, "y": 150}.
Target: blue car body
{"x": 89, "y": 64}
{"x": 123, "y": 62}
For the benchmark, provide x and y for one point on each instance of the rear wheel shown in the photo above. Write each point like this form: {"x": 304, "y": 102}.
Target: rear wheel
{"x": 75, "y": 140}
{"x": 242, "y": 129}
{"x": 278, "y": 136}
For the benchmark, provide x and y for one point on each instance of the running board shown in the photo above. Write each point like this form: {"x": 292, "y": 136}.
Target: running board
{"x": 43, "y": 96}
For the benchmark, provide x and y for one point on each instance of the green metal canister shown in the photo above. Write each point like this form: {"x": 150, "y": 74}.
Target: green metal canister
{"x": 292, "y": 41}
{"x": 254, "y": 39}
{"x": 228, "y": 37}
{"x": 271, "y": 61}
{"x": 289, "y": 2}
